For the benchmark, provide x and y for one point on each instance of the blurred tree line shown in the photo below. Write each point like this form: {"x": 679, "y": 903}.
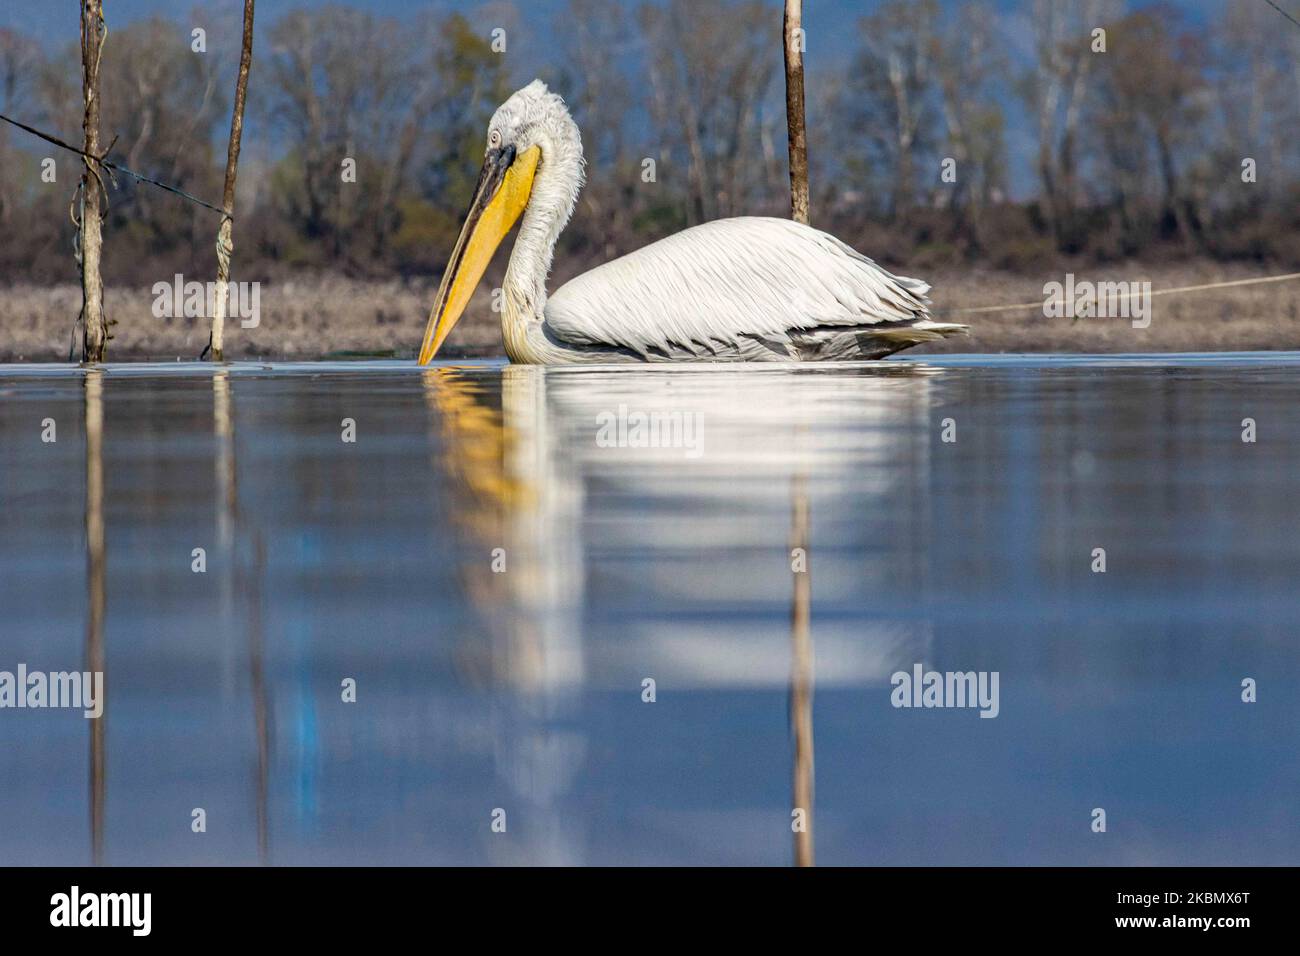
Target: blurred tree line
{"x": 1135, "y": 152}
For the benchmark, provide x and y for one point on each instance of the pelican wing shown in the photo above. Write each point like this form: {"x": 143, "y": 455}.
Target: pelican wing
{"x": 713, "y": 285}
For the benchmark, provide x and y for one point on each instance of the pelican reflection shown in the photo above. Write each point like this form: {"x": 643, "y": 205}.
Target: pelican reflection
{"x": 635, "y": 558}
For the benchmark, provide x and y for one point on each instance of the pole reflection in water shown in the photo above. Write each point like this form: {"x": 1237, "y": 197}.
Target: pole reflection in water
{"x": 261, "y": 700}
{"x": 230, "y": 528}
{"x": 95, "y": 596}
{"x": 801, "y": 671}
{"x": 223, "y": 428}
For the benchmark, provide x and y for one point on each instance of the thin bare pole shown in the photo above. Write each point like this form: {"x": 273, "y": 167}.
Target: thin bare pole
{"x": 94, "y": 327}
{"x": 794, "y": 110}
{"x": 225, "y": 240}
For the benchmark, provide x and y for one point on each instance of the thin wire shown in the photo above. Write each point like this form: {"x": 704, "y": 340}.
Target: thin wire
{"x": 110, "y": 165}
{"x": 1186, "y": 288}
{"x": 1283, "y": 12}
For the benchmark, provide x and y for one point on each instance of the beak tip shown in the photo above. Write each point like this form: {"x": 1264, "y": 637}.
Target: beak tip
{"x": 428, "y": 349}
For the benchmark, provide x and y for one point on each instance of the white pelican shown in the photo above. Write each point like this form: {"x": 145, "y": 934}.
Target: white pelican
{"x": 745, "y": 289}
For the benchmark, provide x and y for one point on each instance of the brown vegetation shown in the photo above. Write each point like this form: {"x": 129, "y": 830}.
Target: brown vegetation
{"x": 318, "y": 316}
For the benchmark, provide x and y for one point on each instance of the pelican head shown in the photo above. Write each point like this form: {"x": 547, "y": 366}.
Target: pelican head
{"x": 533, "y": 162}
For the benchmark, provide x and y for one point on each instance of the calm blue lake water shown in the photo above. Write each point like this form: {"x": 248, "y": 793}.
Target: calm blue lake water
{"x": 499, "y": 565}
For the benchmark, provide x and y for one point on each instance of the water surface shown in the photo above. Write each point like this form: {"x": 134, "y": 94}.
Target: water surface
{"x": 500, "y": 581}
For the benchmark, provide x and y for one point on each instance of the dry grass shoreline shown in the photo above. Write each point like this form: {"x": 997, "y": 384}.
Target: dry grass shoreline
{"x": 316, "y": 317}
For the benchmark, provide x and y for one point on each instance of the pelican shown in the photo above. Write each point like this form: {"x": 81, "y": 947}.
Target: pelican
{"x": 734, "y": 290}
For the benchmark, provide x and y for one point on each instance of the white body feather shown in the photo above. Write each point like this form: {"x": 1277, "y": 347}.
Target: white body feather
{"x": 711, "y": 289}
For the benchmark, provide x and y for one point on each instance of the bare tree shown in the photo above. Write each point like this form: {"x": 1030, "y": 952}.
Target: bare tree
{"x": 18, "y": 66}
{"x": 1149, "y": 110}
{"x": 407, "y": 105}
{"x": 891, "y": 93}
{"x": 967, "y": 64}
{"x": 711, "y": 67}
{"x": 1056, "y": 90}
{"x": 19, "y": 61}
{"x": 596, "y": 43}
{"x": 1257, "y": 95}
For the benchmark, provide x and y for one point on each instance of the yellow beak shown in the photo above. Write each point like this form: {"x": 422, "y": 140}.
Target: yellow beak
{"x": 504, "y": 186}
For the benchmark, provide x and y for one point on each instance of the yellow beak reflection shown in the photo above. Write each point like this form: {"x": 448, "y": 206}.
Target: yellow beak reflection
{"x": 504, "y": 186}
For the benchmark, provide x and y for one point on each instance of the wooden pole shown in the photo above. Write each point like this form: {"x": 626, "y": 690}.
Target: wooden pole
{"x": 794, "y": 110}
{"x": 94, "y": 328}
{"x": 225, "y": 241}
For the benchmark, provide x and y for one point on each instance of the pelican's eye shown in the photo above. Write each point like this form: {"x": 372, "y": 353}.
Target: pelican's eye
{"x": 494, "y": 139}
